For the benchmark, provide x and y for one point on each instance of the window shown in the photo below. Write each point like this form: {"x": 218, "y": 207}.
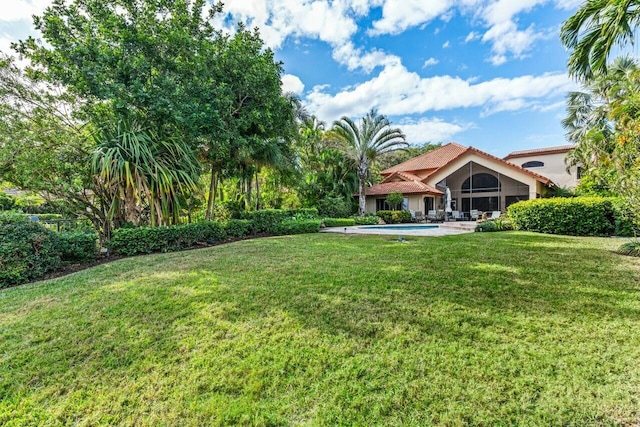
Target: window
{"x": 509, "y": 200}
{"x": 382, "y": 205}
{"x": 533, "y": 164}
{"x": 482, "y": 183}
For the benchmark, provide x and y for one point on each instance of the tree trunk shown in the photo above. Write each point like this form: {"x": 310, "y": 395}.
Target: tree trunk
{"x": 257, "y": 192}
{"x": 211, "y": 202}
{"x": 362, "y": 199}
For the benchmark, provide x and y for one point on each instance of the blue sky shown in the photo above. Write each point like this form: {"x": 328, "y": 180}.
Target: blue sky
{"x": 486, "y": 73}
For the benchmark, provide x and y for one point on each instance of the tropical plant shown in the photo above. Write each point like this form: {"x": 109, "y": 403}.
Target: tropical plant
{"x": 394, "y": 200}
{"x": 364, "y": 142}
{"x": 138, "y": 169}
{"x": 592, "y": 32}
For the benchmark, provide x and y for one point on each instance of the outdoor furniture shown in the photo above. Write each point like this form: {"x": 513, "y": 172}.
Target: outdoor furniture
{"x": 432, "y": 216}
{"x": 457, "y": 216}
{"x": 495, "y": 214}
{"x": 474, "y": 214}
{"x": 419, "y": 216}
{"x": 440, "y": 215}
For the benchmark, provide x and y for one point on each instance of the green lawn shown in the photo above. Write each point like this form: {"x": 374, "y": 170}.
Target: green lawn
{"x": 484, "y": 328}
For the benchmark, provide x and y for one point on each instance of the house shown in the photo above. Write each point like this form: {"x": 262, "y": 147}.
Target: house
{"x": 476, "y": 180}
{"x": 548, "y": 162}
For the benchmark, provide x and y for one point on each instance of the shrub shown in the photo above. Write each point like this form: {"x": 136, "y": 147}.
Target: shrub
{"x": 630, "y": 248}
{"x": 11, "y": 217}
{"x": 265, "y": 221}
{"x": 498, "y": 224}
{"x": 292, "y": 226}
{"x": 334, "y": 207}
{"x": 238, "y": 227}
{"x": 27, "y": 251}
{"x": 45, "y": 216}
{"x": 579, "y": 216}
{"x": 395, "y": 217}
{"x": 339, "y": 222}
{"x": 368, "y": 219}
{"x": 7, "y": 202}
{"x": 144, "y": 240}
{"x": 394, "y": 199}
{"x": 78, "y": 246}
{"x": 625, "y": 216}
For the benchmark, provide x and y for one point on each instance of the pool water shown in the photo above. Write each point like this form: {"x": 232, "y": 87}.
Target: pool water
{"x": 398, "y": 227}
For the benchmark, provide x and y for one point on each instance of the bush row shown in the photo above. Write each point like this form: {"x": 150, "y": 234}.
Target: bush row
{"x": 297, "y": 226}
{"x": 339, "y": 222}
{"x": 578, "y": 216}
{"x": 395, "y": 217}
{"x": 367, "y": 220}
{"x": 497, "y": 224}
{"x": 265, "y": 221}
{"x": 29, "y": 251}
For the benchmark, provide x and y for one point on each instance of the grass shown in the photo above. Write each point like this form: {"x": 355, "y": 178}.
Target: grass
{"x": 484, "y": 329}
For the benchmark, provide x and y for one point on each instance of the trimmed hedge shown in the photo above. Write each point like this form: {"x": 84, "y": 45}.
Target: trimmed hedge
{"x": 577, "y": 216}
{"x": 27, "y": 251}
{"x": 265, "y": 221}
{"x": 497, "y": 224}
{"x": 339, "y": 222}
{"x": 145, "y": 240}
{"x": 45, "y": 216}
{"x": 395, "y": 217}
{"x": 78, "y": 246}
{"x": 367, "y": 220}
{"x": 238, "y": 227}
{"x": 294, "y": 226}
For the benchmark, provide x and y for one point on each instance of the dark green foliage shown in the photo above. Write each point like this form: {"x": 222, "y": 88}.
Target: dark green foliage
{"x": 339, "y": 222}
{"x": 624, "y": 218}
{"x": 395, "y": 217}
{"x": 297, "y": 226}
{"x": 10, "y": 217}
{"x": 264, "y": 221}
{"x": 78, "y": 246}
{"x": 144, "y": 240}
{"x": 335, "y": 207}
{"x": 630, "y": 248}
{"x": 579, "y": 216}
{"x": 238, "y": 227}
{"x": 498, "y": 224}
{"x": 27, "y": 250}
{"x": 367, "y": 219}
{"x": 7, "y": 202}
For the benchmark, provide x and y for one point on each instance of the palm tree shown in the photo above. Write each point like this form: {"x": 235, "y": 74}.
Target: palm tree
{"x": 588, "y": 122}
{"x": 363, "y": 142}
{"x": 594, "y": 29}
{"x": 138, "y": 170}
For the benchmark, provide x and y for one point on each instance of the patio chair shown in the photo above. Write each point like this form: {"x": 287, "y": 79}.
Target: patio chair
{"x": 457, "y": 216}
{"x": 432, "y": 216}
{"x": 419, "y": 216}
{"x": 495, "y": 214}
{"x": 440, "y": 215}
{"x": 474, "y": 214}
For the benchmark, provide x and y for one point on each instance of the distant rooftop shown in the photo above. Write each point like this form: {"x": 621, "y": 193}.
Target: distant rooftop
{"x": 540, "y": 151}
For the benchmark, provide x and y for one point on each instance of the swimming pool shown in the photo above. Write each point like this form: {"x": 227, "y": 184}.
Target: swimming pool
{"x": 398, "y": 227}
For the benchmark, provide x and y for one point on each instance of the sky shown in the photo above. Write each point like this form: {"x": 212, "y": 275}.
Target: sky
{"x": 484, "y": 73}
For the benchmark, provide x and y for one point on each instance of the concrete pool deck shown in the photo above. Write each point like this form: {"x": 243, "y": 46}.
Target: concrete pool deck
{"x": 444, "y": 229}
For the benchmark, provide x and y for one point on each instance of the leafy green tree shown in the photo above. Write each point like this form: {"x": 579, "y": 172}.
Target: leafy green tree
{"x": 394, "y": 200}
{"x": 593, "y": 31}
{"x": 364, "y": 142}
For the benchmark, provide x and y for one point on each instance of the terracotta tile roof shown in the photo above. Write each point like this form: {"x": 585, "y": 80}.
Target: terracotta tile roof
{"x": 434, "y": 159}
{"x": 404, "y": 187}
{"x": 440, "y": 157}
{"x": 537, "y": 176}
{"x": 406, "y": 176}
{"x": 540, "y": 151}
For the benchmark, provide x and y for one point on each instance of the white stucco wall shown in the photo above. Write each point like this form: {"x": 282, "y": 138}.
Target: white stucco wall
{"x": 554, "y": 168}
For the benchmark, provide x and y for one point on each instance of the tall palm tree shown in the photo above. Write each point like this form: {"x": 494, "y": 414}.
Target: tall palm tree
{"x": 363, "y": 142}
{"x": 139, "y": 170}
{"x": 592, "y": 32}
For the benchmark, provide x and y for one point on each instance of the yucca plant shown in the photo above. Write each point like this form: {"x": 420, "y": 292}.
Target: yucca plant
{"x": 140, "y": 170}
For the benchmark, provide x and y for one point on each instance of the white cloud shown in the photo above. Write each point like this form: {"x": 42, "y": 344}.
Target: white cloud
{"x": 429, "y": 62}
{"x": 472, "y": 36}
{"x": 347, "y": 54}
{"x": 446, "y": 45}
{"x": 19, "y": 10}
{"x": 397, "y": 16}
{"x": 293, "y": 84}
{"x": 430, "y": 130}
{"x": 397, "y": 91}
